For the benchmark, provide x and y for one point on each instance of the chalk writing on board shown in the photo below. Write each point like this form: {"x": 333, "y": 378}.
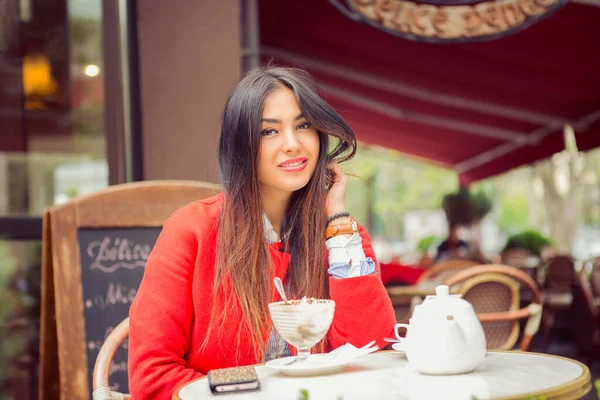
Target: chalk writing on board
{"x": 112, "y": 267}
{"x": 116, "y": 293}
{"x": 109, "y": 254}
{"x": 117, "y": 367}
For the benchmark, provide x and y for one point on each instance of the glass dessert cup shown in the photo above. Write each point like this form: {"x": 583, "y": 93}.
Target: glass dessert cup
{"x": 302, "y": 323}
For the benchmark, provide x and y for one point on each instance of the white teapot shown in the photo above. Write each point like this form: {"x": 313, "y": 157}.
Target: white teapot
{"x": 444, "y": 336}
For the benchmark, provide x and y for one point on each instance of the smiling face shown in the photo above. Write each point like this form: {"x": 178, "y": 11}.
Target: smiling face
{"x": 289, "y": 147}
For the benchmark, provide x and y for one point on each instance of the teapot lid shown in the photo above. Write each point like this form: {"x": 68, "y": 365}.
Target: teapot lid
{"x": 443, "y": 301}
{"x": 443, "y": 292}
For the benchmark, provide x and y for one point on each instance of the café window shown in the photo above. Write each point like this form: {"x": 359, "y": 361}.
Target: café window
{"x": 57, "y": 142}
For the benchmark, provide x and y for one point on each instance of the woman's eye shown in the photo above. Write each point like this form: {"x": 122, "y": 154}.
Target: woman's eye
{"x": 304, "y": 125}
{"x": 268, "y": 132}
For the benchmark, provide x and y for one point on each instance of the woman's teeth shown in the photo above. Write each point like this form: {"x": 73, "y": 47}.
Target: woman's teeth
{"x": 292, "y": 164}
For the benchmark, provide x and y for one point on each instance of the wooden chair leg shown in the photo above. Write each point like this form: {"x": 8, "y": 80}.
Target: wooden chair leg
{"x": 547, "y": 322}
{"x": 525, "y": 343}
{"x": 594, "y": 347}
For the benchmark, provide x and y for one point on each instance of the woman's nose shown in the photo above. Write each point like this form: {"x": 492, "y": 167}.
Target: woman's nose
{"x": 291, "y": 142}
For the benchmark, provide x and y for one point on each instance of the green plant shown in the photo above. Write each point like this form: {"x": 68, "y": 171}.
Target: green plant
{"x": 426, "y": 243}
{"x": 465, "y": 207}
{"x": 597, "y": 386}
{"x": 303, "y": 395}
{"x": 11, "y": 344}
{"x": 529, "y": 240}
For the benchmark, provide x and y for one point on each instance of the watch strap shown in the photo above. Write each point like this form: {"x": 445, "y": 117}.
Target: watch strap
{"x": 341, "y": 229}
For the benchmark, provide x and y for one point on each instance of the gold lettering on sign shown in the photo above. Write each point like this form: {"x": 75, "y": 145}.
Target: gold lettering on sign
{"x": 492, "y": 16}
{"x": 448, "y": 24}
{"x": 417, "y": 22}
{"x": 423, "y": 20}
{"x": 460, "y": 23}
{"x": 472, "y": 21}
{"x": 513, "y": 14}
{"x": 546, "y": 3}
{"x": 402, "y": 17}
{"x": 439, "y": 20}
{"x": 530, "y": 8}
{"x": 488, "y": 18}
{"x": 385, "y": 12}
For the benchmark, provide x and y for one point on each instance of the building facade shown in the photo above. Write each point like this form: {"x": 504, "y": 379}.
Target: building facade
{"x": 95, "y": 93}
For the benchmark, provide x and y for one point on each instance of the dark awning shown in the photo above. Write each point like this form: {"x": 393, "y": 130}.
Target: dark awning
{"x": 479, "y": 108}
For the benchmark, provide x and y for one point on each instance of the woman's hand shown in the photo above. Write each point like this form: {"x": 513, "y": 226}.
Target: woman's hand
{"x": 335, "y": 201}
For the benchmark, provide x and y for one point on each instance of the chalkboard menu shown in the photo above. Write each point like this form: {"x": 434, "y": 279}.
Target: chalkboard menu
{"x": 112, "y": 266}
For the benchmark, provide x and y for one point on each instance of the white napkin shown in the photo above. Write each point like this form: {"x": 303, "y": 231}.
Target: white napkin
{"x": 342, "y": 355}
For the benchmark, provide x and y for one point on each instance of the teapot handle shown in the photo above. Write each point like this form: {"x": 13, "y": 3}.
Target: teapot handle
{"x": 397, "y": 327}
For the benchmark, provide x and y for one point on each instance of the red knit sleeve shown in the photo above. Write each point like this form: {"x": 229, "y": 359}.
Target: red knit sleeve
{"x": 161, "y": 314}
{"x": 363, "y": 310}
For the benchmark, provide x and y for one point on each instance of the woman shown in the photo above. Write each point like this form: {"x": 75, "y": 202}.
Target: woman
{"x": 202, "y": 303}
{"x": 453, "y": 247}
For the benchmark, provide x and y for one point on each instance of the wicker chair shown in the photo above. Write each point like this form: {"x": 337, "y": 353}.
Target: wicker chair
{"x": 402, "y": 307}
{"x": 493, "y": 290}
{"x": 523, "y": 260}
{"x": 440, "y": 272}
{"x": 446, "y": 269}
{"x": 517, "y": 256}
{"x": 558, "y": 280}
{"x": 594, "y": 263}
{"x": 103, "y": 361}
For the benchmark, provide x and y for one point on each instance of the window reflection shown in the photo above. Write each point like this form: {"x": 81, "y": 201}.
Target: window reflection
{"x": 52, "y": 148}
{"x": 52, "y": 145}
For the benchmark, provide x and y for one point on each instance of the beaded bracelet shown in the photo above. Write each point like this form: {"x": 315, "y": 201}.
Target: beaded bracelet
{"x": 336, "y": 216}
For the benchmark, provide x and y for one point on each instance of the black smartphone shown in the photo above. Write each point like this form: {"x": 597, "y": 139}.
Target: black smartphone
{"x": 235, "y": 379}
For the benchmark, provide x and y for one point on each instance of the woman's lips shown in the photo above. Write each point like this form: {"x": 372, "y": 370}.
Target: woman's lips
{"x": 294, "y": 165}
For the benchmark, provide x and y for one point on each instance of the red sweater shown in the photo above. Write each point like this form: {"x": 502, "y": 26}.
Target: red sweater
{"x": 169, "y": 315}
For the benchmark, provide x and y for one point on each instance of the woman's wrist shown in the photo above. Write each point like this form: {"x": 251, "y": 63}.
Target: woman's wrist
{"x": 335, "y": 210}
{"x": 345, "y": 219}
{"x": 334, "y": 217}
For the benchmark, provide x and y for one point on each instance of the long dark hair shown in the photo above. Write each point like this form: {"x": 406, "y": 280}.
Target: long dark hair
{"x": 243, "y": 259}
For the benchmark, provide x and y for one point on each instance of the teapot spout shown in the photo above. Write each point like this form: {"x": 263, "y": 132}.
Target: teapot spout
{"x": 455, "y": 337}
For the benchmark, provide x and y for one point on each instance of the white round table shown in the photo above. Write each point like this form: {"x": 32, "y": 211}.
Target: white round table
{"x": 388, "y": 375}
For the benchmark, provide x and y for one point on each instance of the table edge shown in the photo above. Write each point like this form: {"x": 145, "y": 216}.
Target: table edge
{"x": 580, "y": 385}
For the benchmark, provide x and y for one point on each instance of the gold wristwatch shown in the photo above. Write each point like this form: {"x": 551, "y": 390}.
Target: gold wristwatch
{"x": 341, "y": 229}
